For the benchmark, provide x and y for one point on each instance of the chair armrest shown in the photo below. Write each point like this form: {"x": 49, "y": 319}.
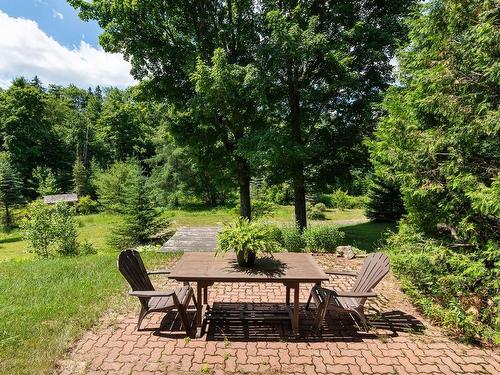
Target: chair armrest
{"x": 344, "y": 273}
{"x": 159, "y": 272}
{"x": 355, "y": 294}
{"x": 151, "y": 293}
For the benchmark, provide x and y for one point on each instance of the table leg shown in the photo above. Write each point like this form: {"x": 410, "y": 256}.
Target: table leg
{"x": 295, "y": 320}
{"x": 199, "y": 309}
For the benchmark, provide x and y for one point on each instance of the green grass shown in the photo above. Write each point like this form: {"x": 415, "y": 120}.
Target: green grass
{"x": 94, "y": 228}
{"x": 45, "y": 304}
{"x": 367, "y": 236}
{"x": 285, "y": 214}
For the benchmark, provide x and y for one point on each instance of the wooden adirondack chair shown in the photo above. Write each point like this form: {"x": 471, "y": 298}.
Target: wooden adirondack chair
{"x": 375, "y": 267}
{"x": 132, "y": 268}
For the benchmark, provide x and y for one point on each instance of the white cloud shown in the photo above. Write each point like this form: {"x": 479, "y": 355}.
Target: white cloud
{"x": 56, "y": 14}
{"x": 26, "y": 50}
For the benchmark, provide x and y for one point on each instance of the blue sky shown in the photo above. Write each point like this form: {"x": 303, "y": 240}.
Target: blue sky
{"x": 57, "y": 18}
{"x": 47, "y": 38}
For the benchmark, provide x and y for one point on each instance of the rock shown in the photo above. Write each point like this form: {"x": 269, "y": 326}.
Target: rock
{"x": 346, "y": 251}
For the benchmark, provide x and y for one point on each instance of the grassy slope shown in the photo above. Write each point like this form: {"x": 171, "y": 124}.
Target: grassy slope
{"x": 46, "y": 304}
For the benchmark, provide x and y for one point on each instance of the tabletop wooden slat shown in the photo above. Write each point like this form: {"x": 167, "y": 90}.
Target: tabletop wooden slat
{"x": 282, "y": 267}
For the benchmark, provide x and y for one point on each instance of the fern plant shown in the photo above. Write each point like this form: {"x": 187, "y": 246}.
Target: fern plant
{"x": 246, "y": 239}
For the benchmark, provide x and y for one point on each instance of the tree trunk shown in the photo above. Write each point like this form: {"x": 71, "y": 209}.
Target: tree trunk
{"x": 299, "y": 191}
{"x": 8, "y": 220}
{"x": 299, "y": 188}
{"x": 244, "y": 182}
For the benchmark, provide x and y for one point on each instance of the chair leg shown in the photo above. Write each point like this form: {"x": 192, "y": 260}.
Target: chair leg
{"x": 184, "y": 318}
{"x": 309, "y": 301}
{"x": 142, "y": 314}
{"x": 362, "y": 318}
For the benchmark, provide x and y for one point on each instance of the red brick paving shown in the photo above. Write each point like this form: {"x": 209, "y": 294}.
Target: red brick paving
{"x": 394, "y": 345}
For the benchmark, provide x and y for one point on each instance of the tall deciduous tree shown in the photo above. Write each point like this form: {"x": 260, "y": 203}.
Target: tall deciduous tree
{"x": 326, "y": 64}
{"x": 24, "y": 130}
{"x": 174, "y": 45}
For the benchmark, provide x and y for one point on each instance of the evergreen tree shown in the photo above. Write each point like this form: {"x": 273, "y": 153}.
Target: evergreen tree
{"x": 140, "y": 220}
{"x": 441, "y": 136}
{"x": 10, "y": 188}
{"x": 385, "y": 202}
{"x": 81, "y": 179}
{"x": 45, "y": 181}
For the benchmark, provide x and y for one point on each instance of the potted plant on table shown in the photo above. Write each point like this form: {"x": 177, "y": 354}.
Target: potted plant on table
{"x": 246, "y": 239}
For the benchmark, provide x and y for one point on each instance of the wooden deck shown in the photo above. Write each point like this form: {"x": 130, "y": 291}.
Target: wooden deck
{"x": 192, "y": 239}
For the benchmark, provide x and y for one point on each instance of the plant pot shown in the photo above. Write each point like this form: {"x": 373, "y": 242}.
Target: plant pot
{"x": 246, "y": 263}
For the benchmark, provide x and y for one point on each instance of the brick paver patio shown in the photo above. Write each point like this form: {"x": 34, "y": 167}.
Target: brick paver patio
{"x": 401, "y": 341}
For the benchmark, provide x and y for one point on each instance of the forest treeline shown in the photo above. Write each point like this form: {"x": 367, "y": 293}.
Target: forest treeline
{"x": 58, "y": 139}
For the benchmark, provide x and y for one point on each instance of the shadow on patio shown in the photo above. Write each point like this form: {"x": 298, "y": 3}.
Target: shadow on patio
{"x": 248, "y": 322}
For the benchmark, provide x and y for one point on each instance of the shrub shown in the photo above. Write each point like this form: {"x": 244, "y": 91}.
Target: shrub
{"x": 87, "y": 248}
{"x": 292, "y": 240}
{"x": 86, "y": 205}
{"x": 261, "y": 209}
{"x": 320, "y": 207}
{"x": 323, "y": 238}
{"x": 246, "y": 237}
{"x": 314, "y": 213}
{"x": 454, "y": 288}
{"x": 51, "y": 229}
{"x": 341, "y": 200}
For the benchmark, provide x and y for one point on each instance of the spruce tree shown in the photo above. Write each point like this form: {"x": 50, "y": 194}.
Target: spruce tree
{"x": 140, "y": 221}
{"x": 81, "y": 177}
{"x": 10, "y": 188}
{"x": 385, "y": 202}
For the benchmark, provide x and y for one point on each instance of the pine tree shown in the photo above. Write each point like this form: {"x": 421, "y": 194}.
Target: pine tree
{"x": 10, "y": 188}
{"x": 385, "y": 202}
{"x": 140, "y": 220}
{"x": 45, "y": 181}
{"x": 81, "y": 178}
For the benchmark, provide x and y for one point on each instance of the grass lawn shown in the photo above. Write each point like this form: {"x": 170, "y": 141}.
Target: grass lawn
{"x": 46, "y": 304}
{"x": 94, "y": 228}
{"x": 217, "y": 216}
{"x": 367, "y": 236}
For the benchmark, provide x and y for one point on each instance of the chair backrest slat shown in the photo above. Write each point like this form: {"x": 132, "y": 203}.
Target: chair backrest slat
{"x": 375, "y": 267}
{"x": 132, "y": 268}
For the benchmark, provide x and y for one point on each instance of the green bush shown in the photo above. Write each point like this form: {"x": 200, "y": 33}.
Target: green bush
{"x": 323, "y": 238}
{"x": 51, "y": 229}
{"x": 87, "y": 248}
{"x": 320, "y": 207}
{"x": 261, "y": 209}
{"x": 314, "y": 213}
{"x": 247, "y": 237}
{"x": 86, "y": 205}
{"x": 341, "y": 200}
{"x": 453, "y": 287}
{"x": 292, "y": 240}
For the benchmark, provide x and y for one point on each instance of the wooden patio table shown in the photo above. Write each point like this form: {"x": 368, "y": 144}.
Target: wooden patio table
{"x": 290, "y": 269}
